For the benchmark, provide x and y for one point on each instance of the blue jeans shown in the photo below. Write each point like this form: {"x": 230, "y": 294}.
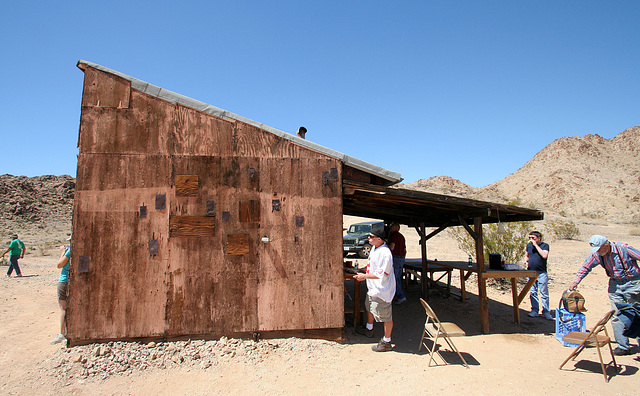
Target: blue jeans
{"x": 622, "y": 292}
{"x": 398, "y": 264}
{"x": 542, "y": 285}
{"x": 13, "y": 259}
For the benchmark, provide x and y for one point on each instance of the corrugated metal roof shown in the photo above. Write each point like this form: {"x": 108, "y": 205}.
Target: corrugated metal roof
{"x": 173, "y": 97}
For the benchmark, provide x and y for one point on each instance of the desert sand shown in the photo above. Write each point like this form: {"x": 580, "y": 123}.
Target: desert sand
{"x": 514, "y": 359}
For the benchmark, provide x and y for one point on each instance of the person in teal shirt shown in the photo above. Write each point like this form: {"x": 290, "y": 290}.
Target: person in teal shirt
{"x": 16, "y": 247}
{"x": 63, "y": 290}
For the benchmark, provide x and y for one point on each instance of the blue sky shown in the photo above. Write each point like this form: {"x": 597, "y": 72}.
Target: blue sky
{"x": 467, "y": 89}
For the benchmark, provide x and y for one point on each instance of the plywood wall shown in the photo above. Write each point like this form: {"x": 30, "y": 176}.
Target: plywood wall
{"x": 171, "y": 209}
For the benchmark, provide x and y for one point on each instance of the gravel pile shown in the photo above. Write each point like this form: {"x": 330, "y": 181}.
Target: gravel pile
{"x": 100, "y": 361}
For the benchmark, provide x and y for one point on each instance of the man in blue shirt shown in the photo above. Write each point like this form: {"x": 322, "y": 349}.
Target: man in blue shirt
{"x": 536, "y": 260}
{"x": 620, "y": 262}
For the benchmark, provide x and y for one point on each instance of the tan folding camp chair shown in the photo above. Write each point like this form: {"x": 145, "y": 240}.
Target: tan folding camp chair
{"x": 592, "y": 338}
{"x": 434, "y": 329}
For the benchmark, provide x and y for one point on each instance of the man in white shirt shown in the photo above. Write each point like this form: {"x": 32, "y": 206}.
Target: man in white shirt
{"x": 381, "y": 285}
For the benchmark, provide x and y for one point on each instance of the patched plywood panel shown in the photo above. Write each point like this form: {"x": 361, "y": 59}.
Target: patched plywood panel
{"x": 143, "y": 128}
{"x": 191, "y": 226}
{"x": 208, "y": 292}
{"x": 198, "y": 133}
{"x": 249, "y": 211}
{"x": 305, "y": 258}
{"x": 105, "y": 90}
{"x": 238, "y": 244}
{"x": 123, "y": 293}
{"x": 130, "y": 172}
{"x": 187, "y": 185}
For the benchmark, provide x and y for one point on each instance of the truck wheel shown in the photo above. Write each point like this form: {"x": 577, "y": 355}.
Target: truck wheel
{"x": 366, "y": 249}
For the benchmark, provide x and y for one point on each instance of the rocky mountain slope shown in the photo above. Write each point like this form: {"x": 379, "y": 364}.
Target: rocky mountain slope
{"x": 579, "y": 176}
{"x": 40, "y": 205}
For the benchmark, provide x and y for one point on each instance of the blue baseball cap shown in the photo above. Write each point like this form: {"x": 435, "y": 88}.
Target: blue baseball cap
{"x": 596, "y": 242}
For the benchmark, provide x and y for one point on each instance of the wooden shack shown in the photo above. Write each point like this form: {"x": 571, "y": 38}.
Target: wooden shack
{"x": 190, "y": 221}
{"x": 193, "y": 222}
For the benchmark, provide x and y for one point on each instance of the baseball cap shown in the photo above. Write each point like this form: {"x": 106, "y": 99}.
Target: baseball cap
{"x": 378, "y": 232}
{"x": 596, "y": 242}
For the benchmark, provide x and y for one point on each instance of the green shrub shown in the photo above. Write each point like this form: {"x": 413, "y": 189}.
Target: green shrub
{"x": 510, "y": 244}
{"x": 563, "y": 229}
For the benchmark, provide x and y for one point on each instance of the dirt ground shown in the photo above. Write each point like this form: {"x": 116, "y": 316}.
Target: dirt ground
{"x": 514, "y": 359}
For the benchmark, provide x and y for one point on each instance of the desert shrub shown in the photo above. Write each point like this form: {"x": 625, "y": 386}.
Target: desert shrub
{"x": 44, "y": 247}
{"x": 510, "y": 244}
{"x": 563, "y": 229}
{"x": 517, "y": 201}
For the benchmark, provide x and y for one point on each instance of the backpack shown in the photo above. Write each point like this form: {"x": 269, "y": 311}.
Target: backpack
{"x": 572, "y": 301}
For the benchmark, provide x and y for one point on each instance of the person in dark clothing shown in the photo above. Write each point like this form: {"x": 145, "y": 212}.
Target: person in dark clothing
{"x": 536, "y": 260}
{"x": 398, "y": 249}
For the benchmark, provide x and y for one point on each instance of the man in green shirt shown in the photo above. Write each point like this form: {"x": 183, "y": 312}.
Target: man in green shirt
{"x": 16, "y": 247}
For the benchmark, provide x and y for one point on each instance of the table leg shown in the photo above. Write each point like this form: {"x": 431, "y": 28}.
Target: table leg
{"x": 526, "y": 289}
{"x": 357, "y": 317}
{"x": 516, "y": 303}
{"x": 463, "y": 292}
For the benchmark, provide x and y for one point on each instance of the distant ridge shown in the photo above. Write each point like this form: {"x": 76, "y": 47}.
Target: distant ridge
{"x": 580, "y": 176}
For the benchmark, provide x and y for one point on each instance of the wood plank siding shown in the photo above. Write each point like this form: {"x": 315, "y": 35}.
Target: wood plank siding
{"x": 171, "y": 209}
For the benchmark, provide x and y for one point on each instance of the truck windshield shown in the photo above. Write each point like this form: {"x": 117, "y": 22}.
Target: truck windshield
{"x": 359, "y": 229}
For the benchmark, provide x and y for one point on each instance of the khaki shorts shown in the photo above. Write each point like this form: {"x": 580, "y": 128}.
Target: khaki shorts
{"x": 63, "y": 290}
{"x": 380, "y": 309}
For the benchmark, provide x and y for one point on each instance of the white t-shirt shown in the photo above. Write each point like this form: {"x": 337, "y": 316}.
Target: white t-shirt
{"x": 380, "y": 263}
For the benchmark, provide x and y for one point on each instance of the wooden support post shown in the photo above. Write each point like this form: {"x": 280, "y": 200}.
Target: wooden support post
{"x": 482, "y": 282}
{"x": 423, "y": 251}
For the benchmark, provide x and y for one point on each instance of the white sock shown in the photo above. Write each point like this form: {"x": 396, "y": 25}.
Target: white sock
{"x": 369, "y": 326}
{"x": 385, "y": 339}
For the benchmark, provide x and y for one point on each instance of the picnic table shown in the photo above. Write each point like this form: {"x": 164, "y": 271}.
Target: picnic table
{"x": 467, "y": 270}
{"x": 413, "y": 267}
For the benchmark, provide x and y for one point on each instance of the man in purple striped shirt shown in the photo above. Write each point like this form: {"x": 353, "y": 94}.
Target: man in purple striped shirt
{"x": 620, "y": 262}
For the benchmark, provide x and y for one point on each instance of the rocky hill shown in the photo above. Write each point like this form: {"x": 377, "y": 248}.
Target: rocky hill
{"x": 579, "y": 176}
{"x": 40, "y": 205}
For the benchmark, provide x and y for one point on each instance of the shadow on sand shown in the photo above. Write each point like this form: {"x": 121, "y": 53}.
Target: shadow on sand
{"x": 409, "y": 319}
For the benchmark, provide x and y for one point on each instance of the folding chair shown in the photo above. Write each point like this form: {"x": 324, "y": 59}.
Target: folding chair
{"x": 592, "y": 338}
{"x": 434, "y": 329}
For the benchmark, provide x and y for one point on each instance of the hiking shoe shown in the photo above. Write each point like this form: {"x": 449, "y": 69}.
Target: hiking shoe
{"x": 532, "y": 314}
{"x": 59, "y": 338}
{"x": 364, "y": 331}
{"x": 547, "y": 316}
{"x": 382, "y": 346}
{"x": 621, "y": 352}
{"x": 400, "y": 301}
